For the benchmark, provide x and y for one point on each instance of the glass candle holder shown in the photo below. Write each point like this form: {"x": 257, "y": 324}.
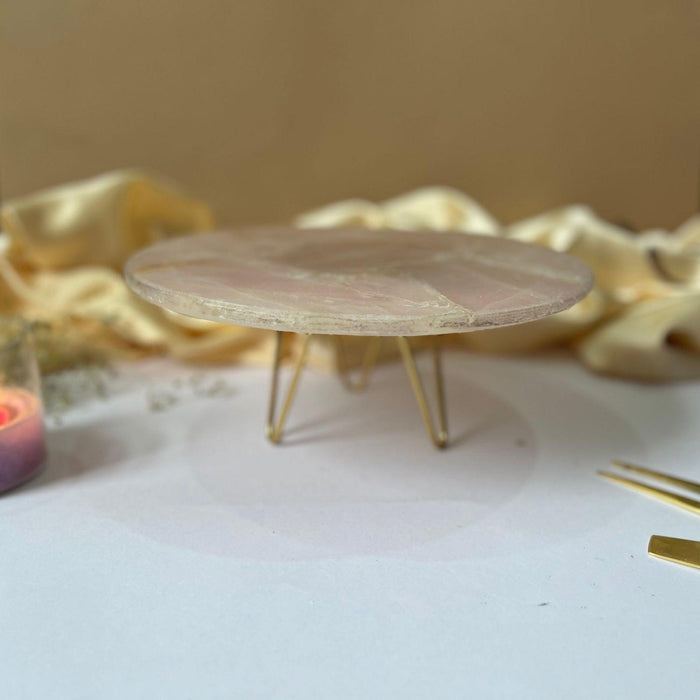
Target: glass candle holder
{"x": 22, "y": 438}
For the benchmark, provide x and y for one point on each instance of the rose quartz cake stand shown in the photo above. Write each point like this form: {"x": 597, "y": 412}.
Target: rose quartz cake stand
{"x": 347, "y": 281}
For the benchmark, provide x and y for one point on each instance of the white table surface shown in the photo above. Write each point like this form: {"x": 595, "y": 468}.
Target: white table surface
{"x": 176, "y": 554}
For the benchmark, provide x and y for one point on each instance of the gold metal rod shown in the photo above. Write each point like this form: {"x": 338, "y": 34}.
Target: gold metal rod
{"x": 368, "y": 363}
{"x": 273, "y": 430}
{"x": 439, "y": 436}
{"x": 659, "y": 476}
{"x": 272, "y": 404}
{"x": 439, "y": 389}
{"x": 667, "y": 496}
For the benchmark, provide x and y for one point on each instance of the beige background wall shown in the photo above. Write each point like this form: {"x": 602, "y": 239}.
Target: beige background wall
{"x": 270, "y": 107}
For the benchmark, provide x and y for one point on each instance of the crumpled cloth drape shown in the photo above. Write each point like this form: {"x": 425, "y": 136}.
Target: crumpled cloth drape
{"x": 642, "y": 319}
{"x": 62, "y": 251}
{"x": 61, "y": 255}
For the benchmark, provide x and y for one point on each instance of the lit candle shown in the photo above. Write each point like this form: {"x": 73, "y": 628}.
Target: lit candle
{"x": 22, "y": 441}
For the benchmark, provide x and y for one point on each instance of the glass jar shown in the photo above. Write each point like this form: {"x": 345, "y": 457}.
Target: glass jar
{"x": 22, "y": 438}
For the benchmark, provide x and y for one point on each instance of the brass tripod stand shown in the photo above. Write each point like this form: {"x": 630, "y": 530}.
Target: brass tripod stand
{"x": 438, "y": 435}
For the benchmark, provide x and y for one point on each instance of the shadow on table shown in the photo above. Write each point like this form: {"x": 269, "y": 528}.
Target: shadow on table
{"x": 357, "y": 474}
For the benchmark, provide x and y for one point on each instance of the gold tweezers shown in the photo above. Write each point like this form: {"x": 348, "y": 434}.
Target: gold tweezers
{"x": 685, "y": 552}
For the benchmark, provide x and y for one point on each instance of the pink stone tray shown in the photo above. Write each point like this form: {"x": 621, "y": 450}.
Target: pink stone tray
{"x": 350, "y": 281}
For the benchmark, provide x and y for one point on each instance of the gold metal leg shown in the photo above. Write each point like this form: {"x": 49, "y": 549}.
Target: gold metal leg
{"x": 273, "y": 429}
{"x": 368, "y": 363}
{"x": 439, "y": 436}
{"x": 275, "y": 426}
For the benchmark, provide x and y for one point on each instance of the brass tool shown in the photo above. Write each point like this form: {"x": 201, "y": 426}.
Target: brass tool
{"x": 674, "y": 499}
{"x": 686, "y": 552}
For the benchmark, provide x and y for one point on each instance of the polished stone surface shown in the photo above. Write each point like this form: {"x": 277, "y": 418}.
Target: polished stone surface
{"x": 357, "y": 281}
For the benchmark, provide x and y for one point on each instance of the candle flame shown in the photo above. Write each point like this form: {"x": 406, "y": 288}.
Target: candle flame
{"x": 16, "y": 404}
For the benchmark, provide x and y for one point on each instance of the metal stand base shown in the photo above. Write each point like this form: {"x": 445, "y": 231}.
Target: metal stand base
{"x": 438, "y": 435}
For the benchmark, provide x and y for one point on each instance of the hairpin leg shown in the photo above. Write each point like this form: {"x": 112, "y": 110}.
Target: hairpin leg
{"x": 439, "y": 436}
{"x": 274, "y": 428}
{"x": 275, "y": 425}
{"x": 368, "y": 363}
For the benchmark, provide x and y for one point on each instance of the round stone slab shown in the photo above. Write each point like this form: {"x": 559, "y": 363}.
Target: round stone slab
{"x": 353, "y": 281}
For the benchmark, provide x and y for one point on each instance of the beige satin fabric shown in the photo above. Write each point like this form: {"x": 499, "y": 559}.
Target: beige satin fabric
{"x": 62, "y": 251}
{"x": 61, "y": 254}
{"x": 642, "y": 319}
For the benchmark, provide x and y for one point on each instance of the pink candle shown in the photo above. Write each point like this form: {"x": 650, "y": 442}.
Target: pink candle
{"x": 22, "y": 441}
